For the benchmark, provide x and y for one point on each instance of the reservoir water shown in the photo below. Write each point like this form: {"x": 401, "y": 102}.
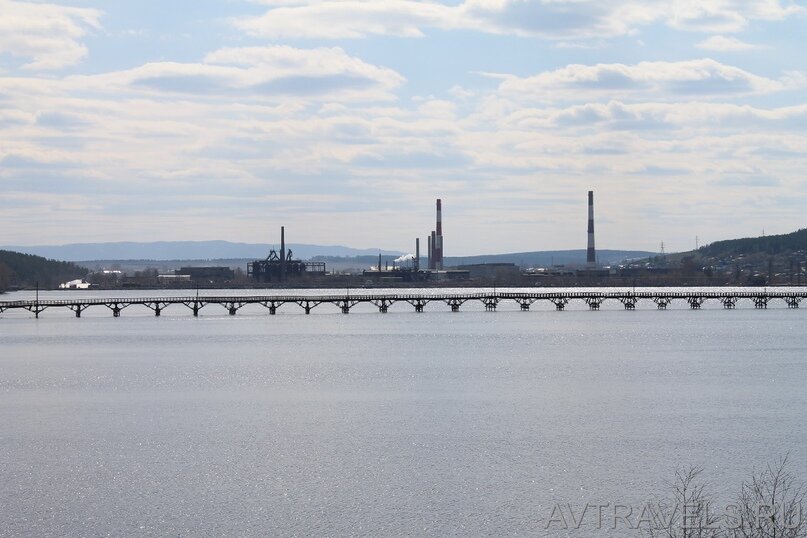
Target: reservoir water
{"x": 431, "y": 424}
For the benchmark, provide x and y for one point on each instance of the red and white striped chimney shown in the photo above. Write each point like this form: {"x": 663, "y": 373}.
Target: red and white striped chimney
{"x": 438, "y": 238}
{"x": 591, "y": 254}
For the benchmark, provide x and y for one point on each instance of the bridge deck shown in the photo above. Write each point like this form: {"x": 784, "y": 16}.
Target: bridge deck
{"x": 346, "y": 301}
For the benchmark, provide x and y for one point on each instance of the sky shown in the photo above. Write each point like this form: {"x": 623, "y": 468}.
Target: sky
{"x": 344, "y": 120}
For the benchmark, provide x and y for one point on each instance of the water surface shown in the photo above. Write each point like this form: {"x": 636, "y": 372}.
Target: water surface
{"x": 474, "y": 423}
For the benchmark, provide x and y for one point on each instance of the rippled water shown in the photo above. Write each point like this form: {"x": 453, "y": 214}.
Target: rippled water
{"x": 399, "y": 424}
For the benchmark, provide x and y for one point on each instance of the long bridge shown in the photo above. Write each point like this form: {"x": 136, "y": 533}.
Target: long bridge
{"x": 346, "y": 301}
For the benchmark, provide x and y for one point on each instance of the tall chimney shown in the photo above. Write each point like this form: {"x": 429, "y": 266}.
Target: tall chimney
{"x": 439, "y": 229}
{"x": 438, "y": 238}
{"x": 417, "y": 254}
{"x": 433, "y": 251}
{"x": 591, "y": 254}
{"x": 282, "y": 253}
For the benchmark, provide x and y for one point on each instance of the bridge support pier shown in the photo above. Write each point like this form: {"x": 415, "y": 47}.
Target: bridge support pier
{"x": 662, "y": 302}
{"x": 272, "y": 310}
{"x": 490, "y": 305}
{"x": 233, "y": 306}
{"x": 419, "y": 305}
{"x": 594, "y": 304}
{"x": 116, "y": 311}
{"x": 760, "y": 302}
{"x": 345, "y": 308}
{"x": 157, "y": 307}
{"x": 306, "y": 306}
{"x": 525, "y": 303}
{"x": 560, "y": 304}
{"x": 695, "y": 302}
{"x": 729, "y": 303}
{"x": 793, "y": 302}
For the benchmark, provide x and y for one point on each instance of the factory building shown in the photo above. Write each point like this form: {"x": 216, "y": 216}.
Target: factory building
{"x": 404, "y": 269}
{"x": 280, "y": 267}
{"x": 502, "y": 272}
{"x": 218, "y": 274}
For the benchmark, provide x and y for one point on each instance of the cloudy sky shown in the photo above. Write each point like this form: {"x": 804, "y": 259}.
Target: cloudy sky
{"x": 344, "y": 119}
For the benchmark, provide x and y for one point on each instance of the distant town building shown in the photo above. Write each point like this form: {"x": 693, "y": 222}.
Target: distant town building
{"x": 206, "y": 273}
{"x": 501, "y": 271}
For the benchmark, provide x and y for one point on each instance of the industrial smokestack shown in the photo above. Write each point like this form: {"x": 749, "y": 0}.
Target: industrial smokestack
{"x": 282, "y": 253}
{"x": 591, "y": 254}
{"x": 433, "y": 251}
{"x": 417, "y": 254}
{"x": 437, "y": 245}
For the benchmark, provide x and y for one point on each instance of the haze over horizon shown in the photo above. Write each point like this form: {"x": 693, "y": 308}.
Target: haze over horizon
{"x": 345, "y": 119}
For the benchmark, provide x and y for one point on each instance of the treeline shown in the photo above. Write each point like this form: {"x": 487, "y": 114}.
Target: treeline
{"x": 769, "y": 244}
{"x": 25, "y": 270}
{"x": 770, "y": 504}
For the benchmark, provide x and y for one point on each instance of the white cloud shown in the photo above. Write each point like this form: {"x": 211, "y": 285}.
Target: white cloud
{"x": 707, "y": 17}
{"x": 270, "y": 73}
{"x": 209, "y": 158}
{"x": 720, "y": 16}
{"x": 659, "y": 117}
{"x": 348, "y": 19}
{"x": 647, "y": 80}
{"x": 564, "y": 19}
{"x": 721, "y": 43}
{"x": 49, "y": 34}
{"x": 320, "y": 135}
{"x": 557, "y": 19}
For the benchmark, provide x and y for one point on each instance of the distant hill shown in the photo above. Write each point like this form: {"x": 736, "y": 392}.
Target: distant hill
{"x": 768, "y": 244}
{"x": 184, "y": 250}
{"x": 522, "y": 259}
{"x": 17, "y": 269}
{"x": 550, "y": 257}
{"x": 225, "y": 250}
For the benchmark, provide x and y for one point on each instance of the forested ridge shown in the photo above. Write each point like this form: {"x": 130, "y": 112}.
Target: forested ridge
{"x": 26, "y": 270}
{"x": 766, "y": 244}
